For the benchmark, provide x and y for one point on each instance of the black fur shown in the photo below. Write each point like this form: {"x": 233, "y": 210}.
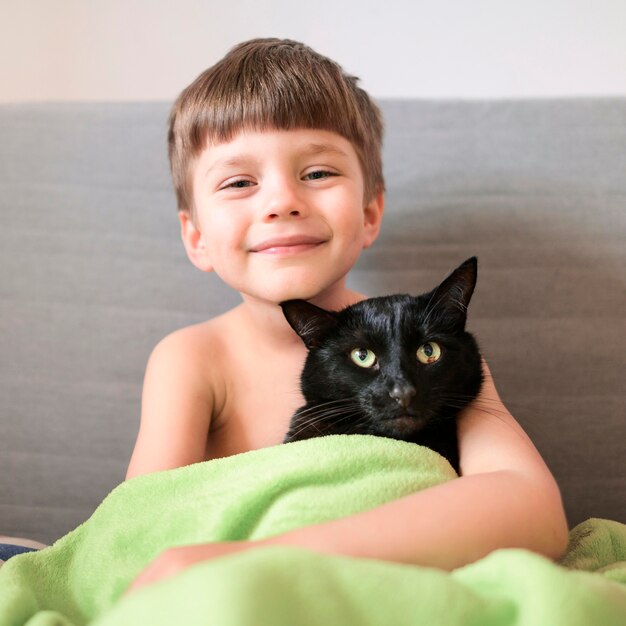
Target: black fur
{"x": 398, "y": 397}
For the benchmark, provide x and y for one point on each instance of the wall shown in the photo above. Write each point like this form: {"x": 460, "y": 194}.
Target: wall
{"x": 149, "y": 49}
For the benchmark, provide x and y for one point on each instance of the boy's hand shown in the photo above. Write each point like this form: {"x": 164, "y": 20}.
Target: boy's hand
{"x": 175, "y": 560}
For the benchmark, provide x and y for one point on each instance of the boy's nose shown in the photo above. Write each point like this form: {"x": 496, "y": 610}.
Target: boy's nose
{"x": 283, "y": 202}
{"x": 277, "y": 214}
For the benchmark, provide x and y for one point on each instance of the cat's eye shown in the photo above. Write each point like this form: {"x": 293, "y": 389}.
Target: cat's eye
{"x": 428, "y": 353}
{"x": 363, "y": 357}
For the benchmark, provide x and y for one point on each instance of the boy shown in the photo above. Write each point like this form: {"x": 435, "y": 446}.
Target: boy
{"x": 276, "y": 161}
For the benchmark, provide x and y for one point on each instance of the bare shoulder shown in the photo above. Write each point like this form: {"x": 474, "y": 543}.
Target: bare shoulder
{"x": 182, "y": 391}
{"x": 192, "y": 347}
{"x": 189, "y": 356}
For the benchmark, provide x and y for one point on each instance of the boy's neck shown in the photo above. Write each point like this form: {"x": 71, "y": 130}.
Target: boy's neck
{"x": 267, "y": 318}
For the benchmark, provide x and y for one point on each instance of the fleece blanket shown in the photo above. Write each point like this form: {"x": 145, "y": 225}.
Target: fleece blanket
{"x": 82, "y": 577}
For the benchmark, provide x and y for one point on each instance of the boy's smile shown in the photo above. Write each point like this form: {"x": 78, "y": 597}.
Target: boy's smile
{"x": 280, "y": 214}
{"x": 288, "y": 245}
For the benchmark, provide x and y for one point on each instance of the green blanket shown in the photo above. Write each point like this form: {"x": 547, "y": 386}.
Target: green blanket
{"x": 81, "y": 578}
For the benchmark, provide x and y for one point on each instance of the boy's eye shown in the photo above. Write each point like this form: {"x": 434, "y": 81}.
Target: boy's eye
{"x": 319, "y": 175}
{"x": 237, "y": 184}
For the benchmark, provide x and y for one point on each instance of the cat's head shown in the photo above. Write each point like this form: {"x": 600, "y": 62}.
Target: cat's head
{"x": 401, "y": 362}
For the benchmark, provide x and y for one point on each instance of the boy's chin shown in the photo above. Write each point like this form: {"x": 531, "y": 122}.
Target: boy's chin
{"x": 282, "y": 295}
{"x": 291, "y": 292}
{"x": 294, "y": 283}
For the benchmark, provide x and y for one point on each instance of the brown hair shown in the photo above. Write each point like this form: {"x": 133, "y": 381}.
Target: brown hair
{"x": 272, "y": 84}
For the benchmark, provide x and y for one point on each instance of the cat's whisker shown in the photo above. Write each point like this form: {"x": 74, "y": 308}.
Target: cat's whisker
{"x": 323, "y": 418}
{"x": 493, "y": 406}
{"x": 490, "y": 407}
{"x": 324, "y": 413}
{"x": 326, "y": 409}
{"x": 326, "y": 416}
{"x": 322, "y": 405}
{"x": 348, "y": 416}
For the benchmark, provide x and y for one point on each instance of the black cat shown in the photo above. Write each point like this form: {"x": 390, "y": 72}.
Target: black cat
{"x": 398, "y": 366}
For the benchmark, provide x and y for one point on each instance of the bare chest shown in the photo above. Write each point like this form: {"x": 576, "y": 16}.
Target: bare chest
{"x": 260, "y": 397}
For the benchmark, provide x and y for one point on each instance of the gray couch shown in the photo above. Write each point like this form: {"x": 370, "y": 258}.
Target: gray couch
{"x": 93, "y": 275}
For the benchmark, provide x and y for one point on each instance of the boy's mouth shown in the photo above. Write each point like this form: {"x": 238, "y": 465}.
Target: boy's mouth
{"x": 288, "y": 245}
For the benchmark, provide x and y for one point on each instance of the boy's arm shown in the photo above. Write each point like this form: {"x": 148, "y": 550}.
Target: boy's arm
{"x": 506, "y": 497}
{"x": 176, "y": 407}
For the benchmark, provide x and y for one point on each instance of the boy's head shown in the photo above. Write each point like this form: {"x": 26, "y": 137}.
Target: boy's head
{"x": 274, "y": 84}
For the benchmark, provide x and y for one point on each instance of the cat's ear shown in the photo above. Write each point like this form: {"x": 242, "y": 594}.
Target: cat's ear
{"x": 453, "y": 295}
{"x": 308, "y": 320}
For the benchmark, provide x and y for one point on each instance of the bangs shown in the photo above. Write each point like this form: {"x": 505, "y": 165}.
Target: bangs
{"x": 272, "y": 85}
{"x": 272, "y": 101}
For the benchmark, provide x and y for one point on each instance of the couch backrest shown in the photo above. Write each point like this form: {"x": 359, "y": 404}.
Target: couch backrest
{"x": 92, "y": 275}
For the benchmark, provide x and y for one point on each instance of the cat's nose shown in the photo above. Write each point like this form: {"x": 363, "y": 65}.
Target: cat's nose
{"x": 403, "y": 394}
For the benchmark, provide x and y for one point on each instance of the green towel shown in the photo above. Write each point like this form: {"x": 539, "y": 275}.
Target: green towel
{"x": 81, "y": 578}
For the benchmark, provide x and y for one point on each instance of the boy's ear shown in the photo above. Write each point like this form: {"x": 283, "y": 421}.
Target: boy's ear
{"x": 373, "y": 215}
{"x": 194, "y": 243}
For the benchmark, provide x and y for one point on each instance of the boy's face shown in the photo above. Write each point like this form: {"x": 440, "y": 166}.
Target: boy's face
{"x": 280, "y": 214}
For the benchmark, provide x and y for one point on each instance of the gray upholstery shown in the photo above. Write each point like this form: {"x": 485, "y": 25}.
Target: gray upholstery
{"x": 93, "y": 274}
